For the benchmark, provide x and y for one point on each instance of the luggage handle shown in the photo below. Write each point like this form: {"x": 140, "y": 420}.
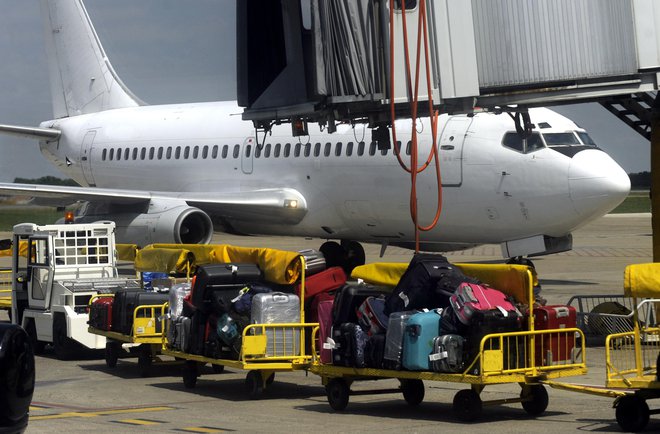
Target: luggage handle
{"x": 438, "y": 356}
{"x": 561, "y": 311}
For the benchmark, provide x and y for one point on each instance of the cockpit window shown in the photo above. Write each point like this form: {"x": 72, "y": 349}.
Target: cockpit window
{"x": 514, "y": 141}
{"x": 559, "y": 139}
{"x": 586, "y": 139}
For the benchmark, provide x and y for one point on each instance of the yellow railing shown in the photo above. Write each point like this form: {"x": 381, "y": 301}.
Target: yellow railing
{"x": 631, "y": 357}
{"x": 5, "y": 289}
{"x": 148, "y": 320}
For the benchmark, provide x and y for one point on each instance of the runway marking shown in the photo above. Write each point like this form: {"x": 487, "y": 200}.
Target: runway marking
{"x": 203, "y": 429}
{"x": 89, "y": 414}
{"x": 140, "y": 422}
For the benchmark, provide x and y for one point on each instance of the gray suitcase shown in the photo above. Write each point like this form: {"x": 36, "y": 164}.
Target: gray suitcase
{"x": 178, "y": 334}
{"x": 278, "y": 308}
{"x": 314, "y": 261}
{"x": 447, "y": 355}
{"x": 394, "y": 339}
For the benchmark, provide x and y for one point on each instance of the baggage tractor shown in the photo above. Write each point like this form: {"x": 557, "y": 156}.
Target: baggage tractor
{"x": 349, "y": 343}
{"x": 447, "y": 355}
{"x": 470, "y": 298}
{"x": 324, "y": 316}
{"x": 349, "y": 298}
{"x": 374, "y": 350}
{"x": 394, "y": 339}
{"x": 314, "y": 261}
{"x": 371, "y": 315}
{"x": 277, "y": 307}
{"x": 122, "y": 307}
{"x": 325, "y": 281}
{"x": 554, "y": 347}
{"x": 493, "y": 321}
{"x": 100, "y": 313}
{"x": 216, "y": 285}
{"x": 418, "y": 336}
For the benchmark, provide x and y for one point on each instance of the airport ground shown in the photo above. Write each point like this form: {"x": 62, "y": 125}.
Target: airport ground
{"x": 86, "y": 396}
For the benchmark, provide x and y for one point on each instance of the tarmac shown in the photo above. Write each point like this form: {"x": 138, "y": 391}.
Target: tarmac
{"x": 82, "y": 396}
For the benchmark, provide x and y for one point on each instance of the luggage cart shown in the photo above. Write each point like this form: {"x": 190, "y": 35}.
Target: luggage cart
{"x": 5, "y": 290}
{"x": 503, "y": 358}
{"x": 145, "y": 340}
{"x": 260, "y": 356}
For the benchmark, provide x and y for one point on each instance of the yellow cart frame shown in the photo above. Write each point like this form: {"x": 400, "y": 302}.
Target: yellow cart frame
{"x": 145, "y": 335}
{"x": 261, "y": 359}
{"x": 503, "y": 358}
{"x": 5, "y": 290}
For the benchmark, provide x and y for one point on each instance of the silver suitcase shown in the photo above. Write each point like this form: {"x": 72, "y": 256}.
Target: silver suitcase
{"x": 447, "y": 355}
{"x": 278, "y": 308}
{"x": 314, "y": 261}
{"x": 394, "y": 339}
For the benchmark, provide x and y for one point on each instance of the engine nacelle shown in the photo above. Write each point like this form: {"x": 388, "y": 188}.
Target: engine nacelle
{"x": 180, "y": 224}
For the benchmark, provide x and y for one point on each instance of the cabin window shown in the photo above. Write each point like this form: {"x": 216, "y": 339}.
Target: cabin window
{"x": 143, "y": 153}
{"x": 177, "y": 152}
{"x": 237, "y": 151}
{"x": 104, "y": 154}
{"x": 152, "y": 151}
{"x": 349, "y": 149}
{"x": 112, "y": 154}
{"x": 409, "y": 4}
{"x": 160, "y": 153}
{"x": 267, "y": 151}
{"x": 287, "y": 150}
{"x": 317, "y": 149}
{"x": 225, "y": 151}
{"x": 360, "y": 150}
{"x": 326, "y": 149}
{"x": 248, "y": 151}
{"x": 169, "y": 153}
{"x": 513, "y": 140}
{"x": 278, "y": 149}
{"x": 308, "y": 149}
{"x": 257, "y": 151}
{"x": 214, "y": 152}
{"x": 338, "y": 147}
{"x": 408, "y": 147}
{"x": 296, "y": 150}
{"x": 127, "y": 153}
{"x": 196, "y": 152}
{"x": 135, "y": 153}
{"x": 372, "y": 148}
{"x": 186, "y": 152}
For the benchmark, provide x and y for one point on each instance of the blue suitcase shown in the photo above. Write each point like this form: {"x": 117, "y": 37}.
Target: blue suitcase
{"x": 420, "y": 332}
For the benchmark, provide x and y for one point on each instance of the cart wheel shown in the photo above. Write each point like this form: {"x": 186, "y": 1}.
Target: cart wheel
{"x": 112, "y": 349}
{"x": 632, "y": 413}
{"x": 190, "y": 374}
{"x": 145, "y": 360}
{"x": 62, "y": 344}
{"x": 218, "y": 369}
{"x": 270, "y": 379}
{"x": 254, "y": 384}
{"x": 338, "y": 392}
{"x": 467, "y": 405}
{"x": 31, "y": 330}
{"x": 535, "y": 399}
{"x": 413, "y": 391}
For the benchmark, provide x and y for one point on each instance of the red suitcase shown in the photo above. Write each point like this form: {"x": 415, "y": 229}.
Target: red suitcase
{"x": 100, "y": 313}
{"x": 325, "y": 330}
{"x": 325, "y": 281}
{"x": 554, "y": 347}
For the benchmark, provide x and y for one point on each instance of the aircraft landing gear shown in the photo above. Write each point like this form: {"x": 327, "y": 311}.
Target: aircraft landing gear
{"x": 520, "y": 260}
{"x": 348, "y": 255}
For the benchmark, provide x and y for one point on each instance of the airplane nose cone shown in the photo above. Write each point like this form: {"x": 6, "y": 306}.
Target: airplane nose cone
{"x": 596, "y": 182}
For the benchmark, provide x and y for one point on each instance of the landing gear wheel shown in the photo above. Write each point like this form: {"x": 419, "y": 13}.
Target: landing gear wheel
{"x": 334, "y": 254}
{"x": 632, "y": 413}
{"x": 338, "y": 392}
{"x": 62, "y": 345}
{"x": 355, "y": 255}
{"x": 535, "y": 399}
{"x": 112, "y": 349}
{"x": 217, "y": 369}
{"x": 190, "y": 374}
{"x": 254, "y": 384}
{"x": 145, "y": 360}
{"x": 413, "y": 391}
{"x": 467, "y": 405}
{"x": 31, "y": 329}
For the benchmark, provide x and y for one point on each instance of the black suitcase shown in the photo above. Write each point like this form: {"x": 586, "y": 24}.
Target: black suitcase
{"x": 349, "y": 298}
{"x": 492, "y": 321}
{"x": 130, "y": 301}
{"x": 216, "y": 285}
{"x": 374, "y": 351}
{"x": 124, "y": 298}
{"x": 350, "y": 342}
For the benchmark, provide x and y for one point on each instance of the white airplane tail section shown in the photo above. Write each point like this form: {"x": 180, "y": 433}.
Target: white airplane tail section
{"x": 82, "y": 79}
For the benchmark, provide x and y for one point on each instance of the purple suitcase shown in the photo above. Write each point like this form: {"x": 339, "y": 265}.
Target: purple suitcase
{"x": 471, "y": 297}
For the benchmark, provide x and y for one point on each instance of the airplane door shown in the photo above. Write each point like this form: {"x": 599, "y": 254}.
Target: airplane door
{"x": 247, "y": 155}
{"x": 451, "y": 150}
{"x": 40, "y": 278}
{"x": 86, "y": 157}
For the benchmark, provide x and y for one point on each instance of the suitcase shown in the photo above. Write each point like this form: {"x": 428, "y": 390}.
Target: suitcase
{"x": 179, "y": 333}
{"x": 421, "y": 329}
{"x": 277, "y": 307}
{"x": 122, "y": 305}
{"x": 371, "y": 315}
{"x": 324, "y": 310}
{"x": 216, "y": 285}
{"x": 314, "y": 261}
{"x": 470, "y": 298}
{"x": 100, "y": 313}
{"x": 394, "y": 339}
{"x": 447, "y": 355}
{"x": 328, "y": 280}
{"x": 374, "y": 351}
{"x": 493, "y": 321}
{"x": 552, "y": 347}
{"x": 349, "y": 298}
{"x": 176, "y": 295}
{"x": 348, "y": 348}
{"x": 242, "y": 303}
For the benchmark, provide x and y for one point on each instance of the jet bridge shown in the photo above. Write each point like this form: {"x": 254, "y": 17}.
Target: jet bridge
{"x": 331, "y": 61}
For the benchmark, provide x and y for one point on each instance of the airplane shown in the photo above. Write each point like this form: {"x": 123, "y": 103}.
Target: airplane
{"x": 178, "y": 173}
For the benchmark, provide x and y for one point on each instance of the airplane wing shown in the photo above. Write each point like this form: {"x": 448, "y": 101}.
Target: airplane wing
{"x": 273, "y": 205}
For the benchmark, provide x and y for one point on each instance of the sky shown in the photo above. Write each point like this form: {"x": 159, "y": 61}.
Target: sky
{"x": 169, "y": 51}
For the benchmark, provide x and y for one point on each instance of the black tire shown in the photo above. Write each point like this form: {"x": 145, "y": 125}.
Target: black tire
{"x": 338, "y": 393}
{"x": 270, "y": 379}
{"x": 467, "y": 405}
{"x": 254, "y": 384}
{"x": 218, "y": 369}
{"x": 413, "y": 391}
{"x": 190, "y": 374}
{"x": 112, "y": 349}
{"x": 535, "y": 399}
{"x": 632, "y": 413}
{"x": 37, "y": 345}
{"x": 355, "y": 255}
{"x": 334, "y": 254}
{"x": 62, "y": 344}
{"x": 145, "y": 360}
